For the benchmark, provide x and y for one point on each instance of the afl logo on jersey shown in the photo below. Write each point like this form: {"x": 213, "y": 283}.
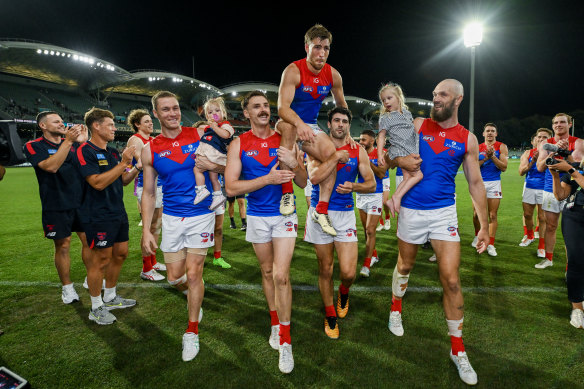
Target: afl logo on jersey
{"x": 428, "y": 138}
{"x": 307, "y": 89}
{"x": 251, "y": 153}
{"x": 164, "y": 153}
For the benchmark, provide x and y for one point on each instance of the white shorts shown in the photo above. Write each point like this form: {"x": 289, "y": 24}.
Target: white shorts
{"x": 551, "y": 204}
{"x": 344, "y": 222}
{"x": 315, "y": 128}
{"x": 493, "y": 189}
{"x": 398, "y": 180}
{"x": 418, "y": 226}
{"x": 220, "y": 210}
{"x": 189, "y": 232}
{"x": 370, "y": 203}
{"x": 532, "y": 196}
{"x": 263, "y": 229}
{"x": 158, "y": 203}
{"x": 308, "y": 189}
{"x": 386, "y": 184}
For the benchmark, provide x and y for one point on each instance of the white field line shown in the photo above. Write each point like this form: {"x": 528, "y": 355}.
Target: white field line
{"x": 306, "y": 288}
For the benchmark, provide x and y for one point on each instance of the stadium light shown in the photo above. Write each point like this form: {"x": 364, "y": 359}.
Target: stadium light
{"x": 473, "y": 36}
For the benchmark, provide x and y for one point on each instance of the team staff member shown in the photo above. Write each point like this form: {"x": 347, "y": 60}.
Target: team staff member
{"x": 255, "y": 156}
{"x": 141, "y": 123}
{"x": 533, "y": 191}
{"x": 370, "y": 204}
{"x": 348, "y": 162}
{"x": 570, "y": 187}
{"x": 187, "y": 229}
{"x": 60, "y": 187}
{"x": 492, "y": 160}
{"x": 561, "y": 124}
{"x": 428, "y": 211}
{"x": 103, "y": 214}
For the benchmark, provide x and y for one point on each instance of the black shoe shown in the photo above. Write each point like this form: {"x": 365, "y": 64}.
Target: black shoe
{"x": 244, "y": 227}
{"x": 233, "y": 226}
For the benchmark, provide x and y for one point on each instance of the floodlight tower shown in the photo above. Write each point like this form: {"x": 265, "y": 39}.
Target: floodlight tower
{"x": 473, "y": 36}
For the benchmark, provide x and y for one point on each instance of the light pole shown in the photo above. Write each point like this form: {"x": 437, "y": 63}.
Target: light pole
{"x": 473, "y": 35}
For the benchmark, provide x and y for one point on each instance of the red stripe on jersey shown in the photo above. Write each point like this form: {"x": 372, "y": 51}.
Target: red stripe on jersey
{"x": 82, "y": 161}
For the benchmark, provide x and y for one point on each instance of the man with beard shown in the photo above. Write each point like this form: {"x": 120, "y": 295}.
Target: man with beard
{"x": 347, "y": 162}
{"x": 252, "y": 167}
{"x": 428, "y": 211}
{"x": 304, "y": 85}
{"x": 561, "y": 124}
{"x": 60, "y": 190}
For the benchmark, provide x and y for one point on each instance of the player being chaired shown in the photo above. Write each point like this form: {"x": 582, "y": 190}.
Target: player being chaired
{"x": 397, "y": 122}
{"x": 252, "y": 168}
{"x": 218, "y": 134}
{"x": 304, "y": 85}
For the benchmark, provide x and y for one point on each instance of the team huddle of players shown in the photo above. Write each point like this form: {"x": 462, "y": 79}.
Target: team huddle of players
{"x": 81, "y": 187}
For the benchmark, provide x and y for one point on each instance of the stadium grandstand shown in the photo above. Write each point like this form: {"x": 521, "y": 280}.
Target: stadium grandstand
{"x": 36, "y": 77}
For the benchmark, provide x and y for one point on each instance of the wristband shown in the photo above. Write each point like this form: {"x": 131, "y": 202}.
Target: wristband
{"x": 571, "y": 171}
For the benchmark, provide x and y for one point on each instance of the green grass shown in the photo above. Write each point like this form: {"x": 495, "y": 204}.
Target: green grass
{"x": 517, "y": 330}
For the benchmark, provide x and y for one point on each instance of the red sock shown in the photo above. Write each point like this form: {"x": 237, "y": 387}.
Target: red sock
{"x": 549, "y": 256}
{"x": 537, "y": 228}
{"x": 476, "y": 232}
{"x": 492, "y": 240}
{"x": 287, "y": 187}
{"x": 541, "y": 244}
{"x": 217, "y": 254}
{"x": 375, "y": 253}
{"x": 396, "y": 305}
{"x": 330, "y": 311}
{"x": 530, "y": 234}
{"x": 153, "y": 260}
{"x": 343, "y": 289}
{"x": 524, "y": 230}
{"x": 457, "y": 345}
{"x": 193, "y": 327}
{"x": 146, "y": 264}
{"x": 367, "y": 262}
{"x": 274, "y": 318}
{"x": 381, "y": 221}
{"x": 285, "y": 333}
{"x": 322, "y": 207}
{"x": 386, "y": 216}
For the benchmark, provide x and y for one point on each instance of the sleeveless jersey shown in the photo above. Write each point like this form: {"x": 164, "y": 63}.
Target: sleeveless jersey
{"x": 549, "y": 181}
{"x": 489, "y": 171}
{"x": 534, "y": 179}
{"x": 174, "y": 160}
{"x": 345, "y": 172}
{"x": 378, "y": 181}
{"x": 258, "y": 156}
{"x": 139, "y": 180}
{"x": 442, "y": 151}
{"x": 311, "y": 91}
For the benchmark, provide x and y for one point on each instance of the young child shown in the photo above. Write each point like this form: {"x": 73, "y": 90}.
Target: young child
{"x": 396, "y": 120}
{"x": 218, "y": 134}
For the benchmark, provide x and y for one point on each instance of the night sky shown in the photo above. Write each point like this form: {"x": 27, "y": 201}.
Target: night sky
{"x": 529, "y": 62}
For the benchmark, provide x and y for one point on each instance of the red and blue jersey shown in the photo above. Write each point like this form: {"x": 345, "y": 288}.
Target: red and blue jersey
{"x": 139, "y": 180}
{"x": 549, "y": 182}
{"x": 174, "y": 160}
{"x": 345, "y": 172}
{"x": 378, "y": 181}
{"x": 534, "y": 179}
{"x": 311, "y": 91}
{"x": 489, "y": 171}
{"x": 258, "y": 157}
{"x": 442, "y": 151}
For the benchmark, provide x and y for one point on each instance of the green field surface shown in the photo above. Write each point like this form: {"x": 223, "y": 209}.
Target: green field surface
{"x": 516, "y": 332}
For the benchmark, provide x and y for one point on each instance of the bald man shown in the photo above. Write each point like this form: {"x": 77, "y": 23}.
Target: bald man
{"x": 428, "y": 212}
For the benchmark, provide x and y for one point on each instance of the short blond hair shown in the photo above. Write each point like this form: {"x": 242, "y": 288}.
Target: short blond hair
{"x": 397, "y": 91}
{"x": 216, "y": 101}
{"x": 96, "y": 115}
{"x": 159, "y": 95}
{"x": 317, "y": 31}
